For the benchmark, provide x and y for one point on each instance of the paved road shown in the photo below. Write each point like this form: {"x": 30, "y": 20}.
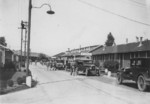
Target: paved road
{"x": 58, "y": 87}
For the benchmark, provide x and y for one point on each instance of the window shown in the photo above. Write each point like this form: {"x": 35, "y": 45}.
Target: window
{"x": 139, "y": 63}
{"x": 133, "y": 63}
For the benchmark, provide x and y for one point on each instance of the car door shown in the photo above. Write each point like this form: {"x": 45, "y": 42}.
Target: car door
{"x": 128, "y": 72}
{"x": 137, "y": 68}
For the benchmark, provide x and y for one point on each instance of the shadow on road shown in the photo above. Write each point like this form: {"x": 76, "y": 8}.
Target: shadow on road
{"x": 17, "y": 88}
{"x": 58, "y": 81}
{"x": 133, "y": 85}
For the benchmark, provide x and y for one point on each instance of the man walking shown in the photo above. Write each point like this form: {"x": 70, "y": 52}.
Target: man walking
{"x": 73, "y": 68}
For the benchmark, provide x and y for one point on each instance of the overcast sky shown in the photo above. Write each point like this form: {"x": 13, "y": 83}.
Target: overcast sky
{"x": 75, "y": 23}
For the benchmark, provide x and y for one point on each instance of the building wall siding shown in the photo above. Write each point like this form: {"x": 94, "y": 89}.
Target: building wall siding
{"x": 122, "y": 58}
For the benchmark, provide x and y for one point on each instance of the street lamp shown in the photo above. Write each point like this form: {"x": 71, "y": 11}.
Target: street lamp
{"x": 49, "y": 11}
{"x": 29, "y": 31}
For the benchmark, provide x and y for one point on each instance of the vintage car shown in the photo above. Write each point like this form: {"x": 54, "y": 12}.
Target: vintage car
{"x": 139, "y": 71}
{"x": 59, "y": 65}
{"x": 87, "y": 68}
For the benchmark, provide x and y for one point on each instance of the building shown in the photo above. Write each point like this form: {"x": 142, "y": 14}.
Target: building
{"x": 9, "y": 55}
{"x": 81, "y": 53}
{"x": 33, "y": 55}
{"x": 59, "y": 55}
{"x": 122, "y": 53}
{"x": 6, "y": 55}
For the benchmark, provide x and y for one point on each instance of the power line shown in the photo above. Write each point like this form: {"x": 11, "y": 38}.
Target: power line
{"x": 137, "y": 2}
{"x": 114, "y": 13}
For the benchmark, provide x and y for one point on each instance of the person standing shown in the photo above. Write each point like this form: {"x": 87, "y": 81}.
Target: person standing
{"x": 73, "y": 68}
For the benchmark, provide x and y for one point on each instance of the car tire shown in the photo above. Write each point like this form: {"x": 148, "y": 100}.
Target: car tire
{"x": 119, "y": 79}
{"x": 141, "y": 83}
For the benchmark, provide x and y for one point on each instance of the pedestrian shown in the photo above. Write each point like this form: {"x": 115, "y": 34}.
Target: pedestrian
{"x": 73, "y": 68}
{"x": 48, "y": 65}
{"x": 35, "y": 62}
{"x": 55, "y": 68}
{"x": 51, "y": 65}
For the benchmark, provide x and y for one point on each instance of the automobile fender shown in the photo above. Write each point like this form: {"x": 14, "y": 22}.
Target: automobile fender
{"x": 143, "y": 74}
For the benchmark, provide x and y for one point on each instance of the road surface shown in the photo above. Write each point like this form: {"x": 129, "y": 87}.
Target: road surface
{"x": 58, "y": 87}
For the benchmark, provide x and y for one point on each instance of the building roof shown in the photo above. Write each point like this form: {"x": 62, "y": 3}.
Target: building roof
{"x": 33, "y": 54}
{"x": 123, "y": 48}
{"x": 6, "y": 48}
{"x": 1, "y": 46}
{"x": 59, "y": 54}
{"x": 80, "y": 51}
{"x": 99, "y": 46}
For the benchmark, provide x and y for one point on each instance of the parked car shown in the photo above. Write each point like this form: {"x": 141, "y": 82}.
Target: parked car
{"x": 59, "y": 65}
{"x": 87, "y": 68}
{"x": 139, "y": 71}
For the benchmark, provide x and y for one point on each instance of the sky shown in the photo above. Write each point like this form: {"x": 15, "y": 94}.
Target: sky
{"x": 75, "y": 23}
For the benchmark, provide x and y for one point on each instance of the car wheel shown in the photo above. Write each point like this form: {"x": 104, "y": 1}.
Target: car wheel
{"x": 141, "y": 83}
{"x": 119, "y": 79}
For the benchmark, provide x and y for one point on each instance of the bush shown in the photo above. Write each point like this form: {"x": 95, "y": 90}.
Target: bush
{"x": 96, "y": 63}
{"x": 19, "y": 80}
{"x": 10, "y": 83}
{"x": 111, "y": 65}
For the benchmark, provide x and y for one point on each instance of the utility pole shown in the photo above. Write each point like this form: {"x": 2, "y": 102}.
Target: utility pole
{"x": 22, "y": 27}
{"x": 25, "y": 45}
{"x": 29, "y": 28}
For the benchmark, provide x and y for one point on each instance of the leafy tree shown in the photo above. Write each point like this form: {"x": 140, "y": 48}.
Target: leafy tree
{"x": 42, "y": 56}
{"x": 3, "y": 41}
{"x": 110, "y": 40}
{"x": 111, "y": 65}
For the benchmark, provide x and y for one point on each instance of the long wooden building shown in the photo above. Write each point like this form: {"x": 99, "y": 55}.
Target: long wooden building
{"x": 122, "y": 53}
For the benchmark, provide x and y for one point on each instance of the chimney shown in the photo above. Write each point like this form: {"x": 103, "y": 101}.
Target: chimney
{"x": 104, "y": 47}
{"x": 80, "y": 49}
{"x": 137, "y": 39}
{"x": 126, "y": 40}
{"x": 68, "y": 49}
{"x": 140, "y": 44}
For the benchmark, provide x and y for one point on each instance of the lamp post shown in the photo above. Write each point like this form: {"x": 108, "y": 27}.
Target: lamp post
{"x": 29, "y": 29}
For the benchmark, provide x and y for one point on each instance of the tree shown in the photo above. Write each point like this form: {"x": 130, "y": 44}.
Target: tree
{"x": 3, "y": 41}
{"x": 42, "y": 57}
{"x": 110, "y": 40}
{"x": 111, "y": 65}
